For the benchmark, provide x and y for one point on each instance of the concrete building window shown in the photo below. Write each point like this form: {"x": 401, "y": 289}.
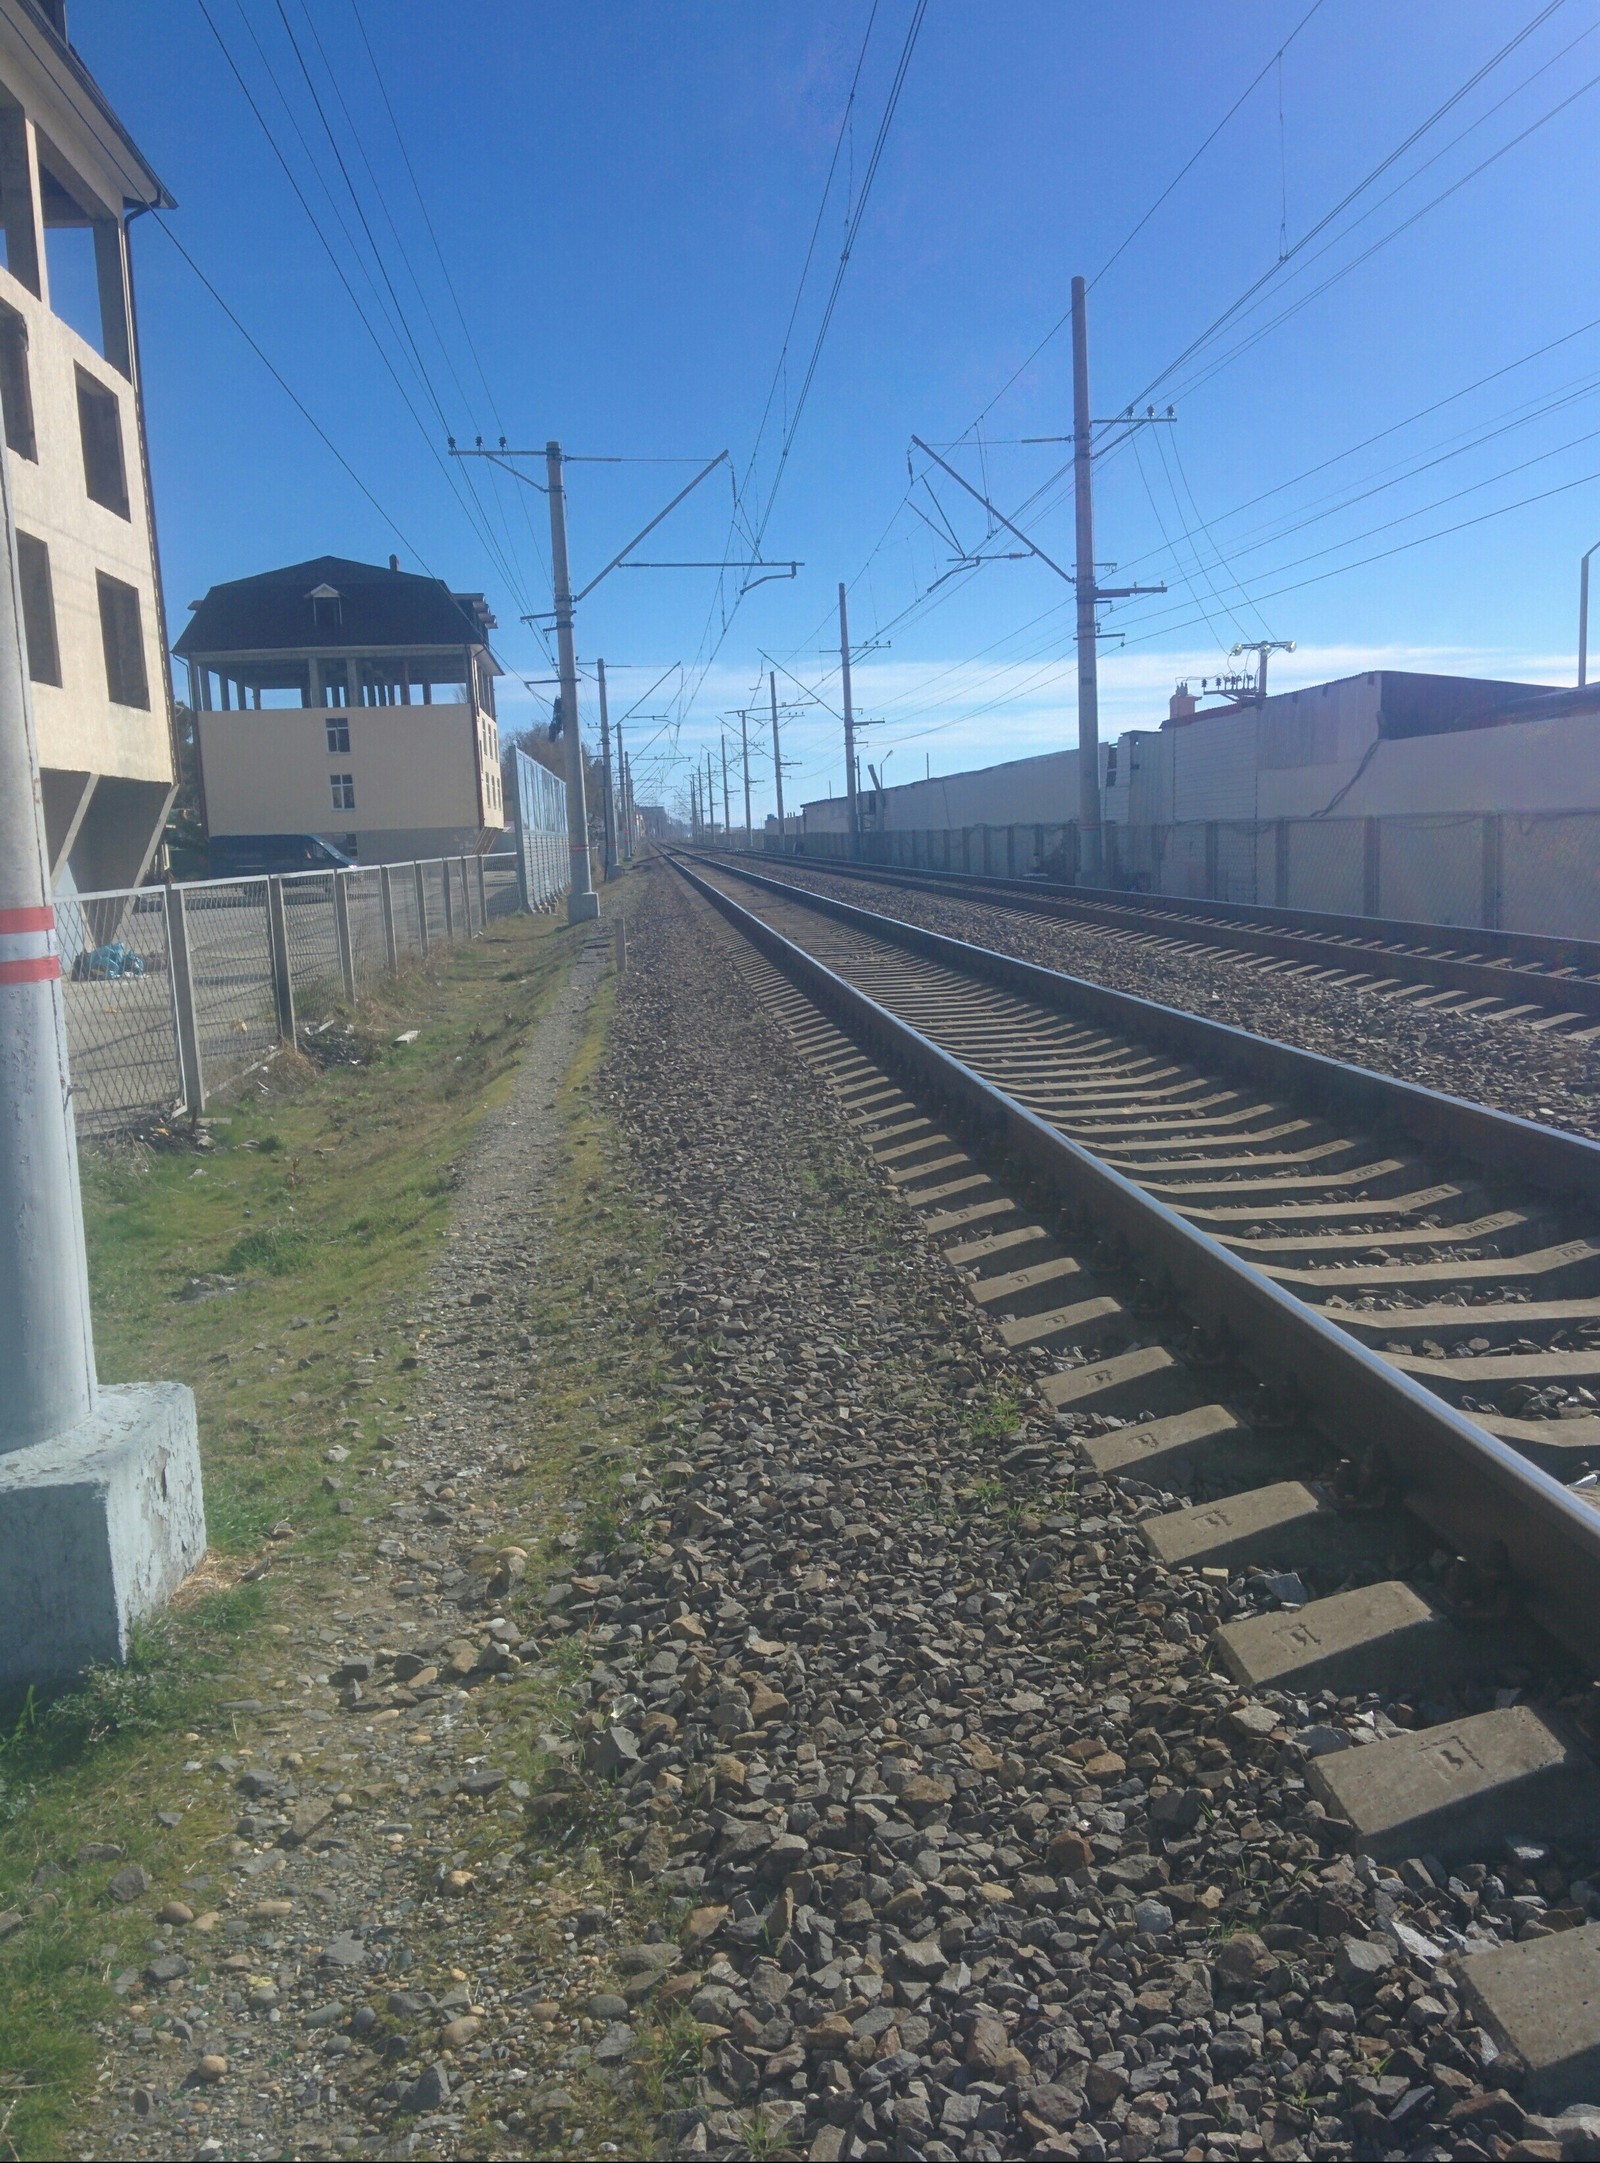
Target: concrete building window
{"x": 16, "y": 392}
{"x": 17, "y": 207}
{"x": 38, "y": 610}
{"x": 344, "y": 791}
{"x": 105, "y": 472}
{"x": 83, "y": 244}
{"x": 338, "y": 735}
{"x": 327, "y": 608}
{"x": 122, "y": 635}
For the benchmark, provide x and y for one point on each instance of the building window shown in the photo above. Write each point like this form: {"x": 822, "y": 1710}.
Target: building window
{"x": 16, "y": 393}
{"x": 105, "y": 475}
{"x": 344, "y": 791}
{"x": 327, "y": 608}
{"x": 338, "y": 735}
{"x": 38, "y": 610}
{"x": 123, "y": 637}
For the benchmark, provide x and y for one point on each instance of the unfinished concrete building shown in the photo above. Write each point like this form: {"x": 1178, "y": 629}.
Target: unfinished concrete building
{"x": 71, "y": 183}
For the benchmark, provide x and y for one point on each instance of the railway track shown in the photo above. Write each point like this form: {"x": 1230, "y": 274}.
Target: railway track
{"x": 1354, "y": 1323}
{"x": 1496, "y": 976}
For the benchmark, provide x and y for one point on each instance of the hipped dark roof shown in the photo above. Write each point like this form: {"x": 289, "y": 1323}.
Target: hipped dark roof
{"x": 272, "y": 612}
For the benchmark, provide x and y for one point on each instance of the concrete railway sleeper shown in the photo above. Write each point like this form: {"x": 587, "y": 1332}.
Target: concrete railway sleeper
{"x": 1072, "y": 1175}
{"x": 1548, "y": 983}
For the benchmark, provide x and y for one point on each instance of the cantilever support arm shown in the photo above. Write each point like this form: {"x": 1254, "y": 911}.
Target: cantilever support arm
{"x": 639, "y": 536}
{"x": 1032, "y": 547}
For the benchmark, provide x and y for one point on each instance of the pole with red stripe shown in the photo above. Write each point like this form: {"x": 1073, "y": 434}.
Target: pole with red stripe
{"x": 47, "y": 1377}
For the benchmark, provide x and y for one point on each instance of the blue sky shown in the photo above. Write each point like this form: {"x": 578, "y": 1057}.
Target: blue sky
{"x": 624, "y": 195}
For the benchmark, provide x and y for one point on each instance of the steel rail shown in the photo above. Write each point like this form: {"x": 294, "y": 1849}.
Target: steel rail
{"x": 1476, "y": 1494}
{"x": 1565, "y": 1165}
{"x": 1562, "y": 975}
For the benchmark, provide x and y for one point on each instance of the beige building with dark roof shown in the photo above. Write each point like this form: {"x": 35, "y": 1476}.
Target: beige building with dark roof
{"x": 348, "y": 702}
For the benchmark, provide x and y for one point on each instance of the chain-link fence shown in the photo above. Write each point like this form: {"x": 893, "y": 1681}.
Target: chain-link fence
{"x": 174, "y": 992}
{"x": 1499, "y": 871}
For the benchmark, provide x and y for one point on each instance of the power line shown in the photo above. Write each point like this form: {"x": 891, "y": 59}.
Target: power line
{"x": 1304, "y": 300}
{"x": 1042, "y": 496}
{"x": 406, "y": 331}
{"x": 294, "y": 397}
{"x": 1132, "y": 235}
{"x": 339, "y": 271}
{"x": 852, "y": 231}
{"x": 450, "y": 286}
{"x": 1423, "y": 128}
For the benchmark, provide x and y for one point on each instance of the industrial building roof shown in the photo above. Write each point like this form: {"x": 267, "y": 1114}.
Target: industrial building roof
{"x": 364, "y": 606}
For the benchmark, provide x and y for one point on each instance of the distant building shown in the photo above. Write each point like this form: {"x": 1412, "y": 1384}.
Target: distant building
{"x": 654, "y": 821}
{"x": 71, "y": 183}
{"x": 1385, "y": 741}
{"x": 351, "y": 702}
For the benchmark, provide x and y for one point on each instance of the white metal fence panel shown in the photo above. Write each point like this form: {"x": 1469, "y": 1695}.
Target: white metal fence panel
{"x": 1550, "y": 872}
{"x": 1326, "y": 866}
{"x": 235, "y": 1016}
{"x": 539, "y": 803}
{"x": 147, "y": 1037}
{"x": 121, "y": 1022}
{"x": 1430, "y": 870}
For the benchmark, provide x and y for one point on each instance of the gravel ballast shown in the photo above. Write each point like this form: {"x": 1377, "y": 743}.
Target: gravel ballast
{"x": 931, "y": 1832}
{"x": 981, "y": 1858}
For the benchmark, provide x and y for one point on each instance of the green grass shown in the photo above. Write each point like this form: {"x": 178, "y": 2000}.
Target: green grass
{"x": 326, "y": 1198}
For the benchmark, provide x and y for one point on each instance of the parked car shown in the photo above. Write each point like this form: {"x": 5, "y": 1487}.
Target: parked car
{"x": 255, "y": 856}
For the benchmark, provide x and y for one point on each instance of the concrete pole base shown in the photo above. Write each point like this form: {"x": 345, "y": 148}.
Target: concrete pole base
{"x": 582, "y": 908}
{"x": 98, "y": 1527}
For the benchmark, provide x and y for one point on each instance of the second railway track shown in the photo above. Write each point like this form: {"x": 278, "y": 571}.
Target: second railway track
{"x": 1547, "y": 983}
{"x": 1416, "y": 1279}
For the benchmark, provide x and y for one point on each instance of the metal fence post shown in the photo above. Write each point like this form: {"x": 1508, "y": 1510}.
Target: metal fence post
{"x": 422, "y": 908}
{"x": 483, "y": 896}
{"x": 194, "y": 1080}
{"x": 466, "y": 899}
{"x": 1493, "y": 860}
{"x": 341, "y": 929}
{"x": 391, "y": 945}
{"x": 1371, "y": 875}
{"x": 278, "y": 961}
{"x": 449, "y": 905}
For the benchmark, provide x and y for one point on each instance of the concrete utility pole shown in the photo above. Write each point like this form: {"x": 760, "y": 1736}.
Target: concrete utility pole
{"x": 777, "y": 755}
{"x": 1583, "y": 618}
{"x": 727, "y": 815}
{"x": 744, "y": 746}
{"x": 633, "y": 811}
{"x": 694, "y": 807}
{"x": 605, "y": 768}
{"x": 711, "y": 796}
{"x": 849, "y": 717}
{"x": 625, "y": 838}
{"x": 100, "y": 1502}
{"x": 1090, "y": 850}
{"x": 583, "y": 903}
